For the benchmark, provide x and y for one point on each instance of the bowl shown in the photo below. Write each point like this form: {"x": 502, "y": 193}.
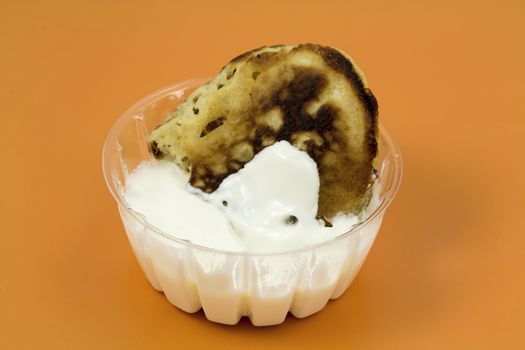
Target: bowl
{"x": 228, "y": 285}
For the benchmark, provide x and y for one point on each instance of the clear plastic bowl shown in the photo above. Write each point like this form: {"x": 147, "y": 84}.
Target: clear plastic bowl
{"x": 229, "y": 285}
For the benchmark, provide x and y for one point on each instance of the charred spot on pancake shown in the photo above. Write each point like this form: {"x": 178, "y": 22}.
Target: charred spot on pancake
{"x": 306, "y": 84}
{"x": 340, "y": 63}
{"x": 214, "y": 124}
{"x": 325, "y": 221}
{"x": 207, "y": 182}
{"x": 154, "y": 148}
{"x": 325, "y": 117}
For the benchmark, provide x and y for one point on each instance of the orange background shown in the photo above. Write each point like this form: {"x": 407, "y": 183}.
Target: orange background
{"x": 447, "y": 269}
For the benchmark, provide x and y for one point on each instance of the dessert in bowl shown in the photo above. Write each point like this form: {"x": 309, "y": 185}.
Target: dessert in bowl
{"x": 256, "y": 242}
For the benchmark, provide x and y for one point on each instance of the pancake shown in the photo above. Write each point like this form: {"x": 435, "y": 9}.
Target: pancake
{"x": 312, "y": 96}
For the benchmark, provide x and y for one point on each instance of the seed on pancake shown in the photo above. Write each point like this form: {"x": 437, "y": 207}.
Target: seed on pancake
{"x": 292, "y": 220}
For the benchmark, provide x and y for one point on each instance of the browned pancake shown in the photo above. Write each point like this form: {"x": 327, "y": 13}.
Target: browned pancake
{"x": 312, "y": 96}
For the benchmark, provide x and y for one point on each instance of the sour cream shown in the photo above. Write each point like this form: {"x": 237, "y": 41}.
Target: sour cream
{"x": 270, "y": 205}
